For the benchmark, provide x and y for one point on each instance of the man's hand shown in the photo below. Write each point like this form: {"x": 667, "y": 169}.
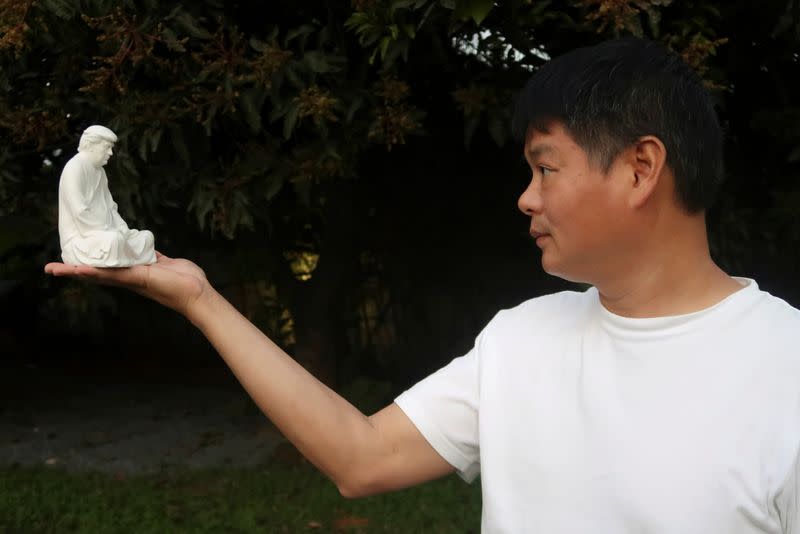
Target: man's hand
{"x": 175, "y": 283}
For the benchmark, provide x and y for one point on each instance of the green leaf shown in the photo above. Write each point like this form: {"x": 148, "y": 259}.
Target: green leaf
{"x": 397, "y": 49}
{"x": 301, "y": 31}
{"x": 227, "y": 85}
{"x": 373, "y": 56}
{"x": 202, "y": 203}
{"x": 155, "y": 138}
{"x": 385, "y": 42}
{"x": 425, "y": 16}
{"x": 275, "y": 183}
{"x": 653, "y": 19}
{"x": 212, "y": 113}
{"x": 239, "y": 214}
{"x": 401, "y": 4}
{"x": 63, "y": 9}
{"x": 278, "y": 111}
{"x": 143, "y": 146}
{"x": 354, "y": 106}
{"x": 356, "y": 21}
{"x": 173, "y": 13}
{"x": 477, "y": 10}
{"x": 190, "y": 26}
{"x": 318, "y": 62}
{"x": 289, "y": 121}
{"x": 291, "y": 75}
{"x": 179, "y": 144}
{"x": 331, "y": 151}
{"x": 172, "y": 41}
{"x": 249, "y": 101}
{"x": 324, "y": 36}
{"x": 257, "y": 45}
{"x": 202, "y": 76}
{"x": 127, "y": 164}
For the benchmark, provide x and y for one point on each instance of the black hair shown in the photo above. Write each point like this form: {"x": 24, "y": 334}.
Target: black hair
{"x": 609, "y": 95}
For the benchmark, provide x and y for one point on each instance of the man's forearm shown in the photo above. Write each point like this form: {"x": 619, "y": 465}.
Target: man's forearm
{"x": 327, "y": 429}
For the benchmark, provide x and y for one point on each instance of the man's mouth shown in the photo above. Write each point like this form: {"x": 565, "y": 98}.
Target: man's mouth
{"x": 535, "y": 234}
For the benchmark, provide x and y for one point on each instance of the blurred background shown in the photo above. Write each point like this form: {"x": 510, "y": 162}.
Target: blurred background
{"x": 342, "y": 170}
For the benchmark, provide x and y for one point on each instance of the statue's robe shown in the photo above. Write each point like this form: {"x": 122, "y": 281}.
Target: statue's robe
{"x": 90, "y": 228}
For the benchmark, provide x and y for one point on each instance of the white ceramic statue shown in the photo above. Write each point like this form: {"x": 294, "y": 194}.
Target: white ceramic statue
{"x": 89, "y": 226}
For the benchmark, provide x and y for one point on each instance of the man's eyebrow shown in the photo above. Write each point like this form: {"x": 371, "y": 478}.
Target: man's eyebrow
{"x": 540, "y": 150}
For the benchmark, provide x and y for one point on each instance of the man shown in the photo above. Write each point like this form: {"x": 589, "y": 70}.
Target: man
{"x": 89, "y": 226}
{"x": 665, "y": 399}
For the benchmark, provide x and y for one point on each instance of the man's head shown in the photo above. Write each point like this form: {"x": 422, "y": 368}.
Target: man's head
{"x": 96, "y": 143}
{"x": 624, "y": 147}
{"x": 609, "y": 95}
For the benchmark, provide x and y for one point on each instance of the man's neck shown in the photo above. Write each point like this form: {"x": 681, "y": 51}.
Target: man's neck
{"x": 675, "y": 276}
{"x": 88, "y": 159}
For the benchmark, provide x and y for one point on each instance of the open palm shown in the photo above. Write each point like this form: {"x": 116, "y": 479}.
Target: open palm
{"x": 174, "y": 282}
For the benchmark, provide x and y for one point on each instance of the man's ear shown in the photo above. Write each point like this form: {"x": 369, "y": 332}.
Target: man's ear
{"x": 647, "y": 159}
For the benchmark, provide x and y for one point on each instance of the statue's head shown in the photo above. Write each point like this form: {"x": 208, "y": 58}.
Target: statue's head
{"x": 96, "y": 143}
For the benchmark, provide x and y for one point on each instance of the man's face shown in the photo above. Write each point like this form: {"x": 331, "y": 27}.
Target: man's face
{"x": 99, "y": 153}
{"x": 578, "y": 213}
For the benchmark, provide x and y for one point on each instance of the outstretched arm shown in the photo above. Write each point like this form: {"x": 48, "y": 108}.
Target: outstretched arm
{"x": 362, "y": 455}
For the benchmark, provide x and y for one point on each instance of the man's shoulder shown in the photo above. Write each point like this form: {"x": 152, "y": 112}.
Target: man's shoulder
{"x": 558, "y": 300}
{"x": 783, "y": 309}
{"x": 776, "y": 315}
{"x": 561, "y": 308}
{"x": 76, "y": 164}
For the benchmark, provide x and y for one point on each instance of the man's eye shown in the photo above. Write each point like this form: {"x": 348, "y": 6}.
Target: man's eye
{"x": 544, "y": 170}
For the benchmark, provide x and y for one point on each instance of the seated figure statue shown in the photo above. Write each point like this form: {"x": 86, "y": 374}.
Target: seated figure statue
{"x": 90, "y": 228}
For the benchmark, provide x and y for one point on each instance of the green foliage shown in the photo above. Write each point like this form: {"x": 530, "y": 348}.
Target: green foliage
{"x": 236, "y": 125}
{"x": 477, "y": 10}
{"x": 191, "y": 93}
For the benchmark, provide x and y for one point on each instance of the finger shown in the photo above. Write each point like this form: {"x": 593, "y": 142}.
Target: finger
{"x": 132, "y": 277}
{"x": 62, "y": 269}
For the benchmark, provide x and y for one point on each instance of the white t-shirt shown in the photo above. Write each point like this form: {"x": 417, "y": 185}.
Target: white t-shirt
{"x": 580, "y": 420}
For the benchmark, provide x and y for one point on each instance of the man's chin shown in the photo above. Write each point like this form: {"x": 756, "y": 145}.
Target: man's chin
{"x": 551, "y": 265}
{"x": 561, "y": 271}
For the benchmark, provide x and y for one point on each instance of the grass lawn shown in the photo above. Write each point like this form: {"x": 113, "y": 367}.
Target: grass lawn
{"x": 273, "y": 498}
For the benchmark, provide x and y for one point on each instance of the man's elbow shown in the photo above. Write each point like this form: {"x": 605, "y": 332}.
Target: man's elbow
{"x": 350, "y": 492}
{"x": 357, "y": 487}
{"x": 353, "y": 490}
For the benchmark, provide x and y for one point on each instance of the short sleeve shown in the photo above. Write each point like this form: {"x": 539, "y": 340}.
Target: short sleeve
{"x": 788, "y": 502}
{"x": 444, "y": 408}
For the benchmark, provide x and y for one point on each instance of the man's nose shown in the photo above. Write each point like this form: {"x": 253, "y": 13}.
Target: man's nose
{"x": 530, "y": 201}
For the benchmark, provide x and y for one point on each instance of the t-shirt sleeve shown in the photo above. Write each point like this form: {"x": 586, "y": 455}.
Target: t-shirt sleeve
{"x": 788, "y": 502}
{"x": 444, "y": 408}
